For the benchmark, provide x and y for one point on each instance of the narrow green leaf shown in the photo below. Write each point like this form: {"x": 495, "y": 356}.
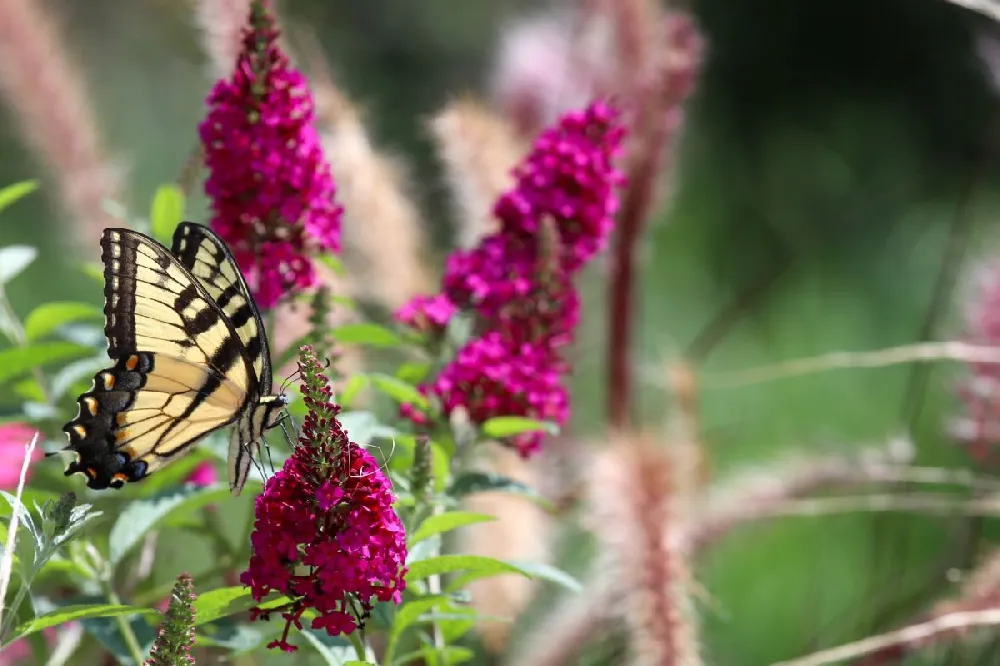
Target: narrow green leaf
{"x": 13, "y": 260}
{"x": 446, "y": 522}
{"x": 547, "y": 572}
{"x": 478, "y": 482}
{"x": 366, "y": 333}
{"x": 499, "y": 427}
{"x": 140, "y": 516}
{"x": 398, "y": 390}
{"x": 14, "y": 192}
{"x": 16, "y": 361}
{"x": 166, "y": 212}
{"x": 70, "y": 613}
{"x": 450, "y": 563}
{"x": 49, "y": 316}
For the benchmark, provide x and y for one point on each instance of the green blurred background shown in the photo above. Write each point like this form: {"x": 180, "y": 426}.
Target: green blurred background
{"x": 831, "y": 150}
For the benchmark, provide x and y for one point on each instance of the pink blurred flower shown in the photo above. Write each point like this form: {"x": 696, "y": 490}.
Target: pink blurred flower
{"x": 13, "y": 438}
{"x": 204, "y": 474}
{"x": 18, "y": 653}
{"x": 271, "y": 189}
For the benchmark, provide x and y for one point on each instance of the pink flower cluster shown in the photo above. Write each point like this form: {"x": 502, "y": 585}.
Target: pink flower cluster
{"x": 325, "y": 530}
{"x": 271, "y": 188}
{"x": 519, "y": 280}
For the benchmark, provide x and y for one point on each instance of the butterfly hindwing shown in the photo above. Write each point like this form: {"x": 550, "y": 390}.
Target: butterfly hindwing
{"x": 143, "y": 412}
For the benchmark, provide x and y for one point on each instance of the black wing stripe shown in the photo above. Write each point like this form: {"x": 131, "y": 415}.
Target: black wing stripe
{"x": 208, "y": 258}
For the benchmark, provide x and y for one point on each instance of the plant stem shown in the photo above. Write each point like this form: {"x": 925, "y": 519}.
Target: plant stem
{"x": 131, "y": 642}
{"x": 635, "y": 205}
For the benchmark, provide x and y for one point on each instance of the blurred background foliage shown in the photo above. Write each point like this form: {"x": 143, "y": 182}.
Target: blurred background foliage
{"x": 830, "y": 152}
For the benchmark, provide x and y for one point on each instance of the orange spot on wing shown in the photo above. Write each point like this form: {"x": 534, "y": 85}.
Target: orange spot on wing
{"x": 90, "y": 471}
{"x": 121, "y": 436}
{"x": 91, "y": 405}
{"x": 119, "y": 477}
{"x": 109, "y": 381}
{"x": 132, "y": 362}
{"x": 121, "y": 418}
{"x": 80, "y": 431}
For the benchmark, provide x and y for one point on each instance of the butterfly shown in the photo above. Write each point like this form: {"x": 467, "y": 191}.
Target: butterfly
{"x": 190, "y": 357}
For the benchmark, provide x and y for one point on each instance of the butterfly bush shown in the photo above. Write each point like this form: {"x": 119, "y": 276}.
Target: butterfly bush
{"x": 325, "y": 531}
{"x": 270, "y": 186}
{"x": 519, "y": 281}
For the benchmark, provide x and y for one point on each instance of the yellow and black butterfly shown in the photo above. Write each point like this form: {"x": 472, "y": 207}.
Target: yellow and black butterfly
{"x": 191, "y": 356}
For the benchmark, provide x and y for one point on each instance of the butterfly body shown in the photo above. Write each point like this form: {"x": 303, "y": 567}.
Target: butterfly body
{"x": 191, "y": 357}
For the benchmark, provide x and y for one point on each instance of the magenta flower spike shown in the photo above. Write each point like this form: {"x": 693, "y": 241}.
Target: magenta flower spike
{"x": 325, "y": 531}
{"x": 271, "y": 189}
{"x": 518, "y": 282}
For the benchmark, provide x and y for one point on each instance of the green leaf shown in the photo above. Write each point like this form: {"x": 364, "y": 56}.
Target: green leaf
{"x": 49, "y": 316}
{"x": 333, "y": 262}
{"x": 365, "y": 333}
{"x": 364, "y": 426}
{"x": 335, "y": 652}
{"x": 499, "y": 427}
{"x": 413, "y": 372}
{"x": 13, "y": 260}
{"x": 443, "y": 564}
{"x": 478, "y": 482}
{"x": 446, "y": 522}
{"x": 94, "y": 271}
{"x": 398, "y": 390}
{"x": 11, "y": 194}
{"x": 355, "y": 384}
{"x": 535, "y": 570}
{"x": 226, "y": 601}
{"x": 29, "y": 389}
{"x": 16, "y": 361}
{"x": 70, "y": 613}
{"x": 409, "y": 613}
{"x": 140, "y": 516}
{"x": 166, "y": 212}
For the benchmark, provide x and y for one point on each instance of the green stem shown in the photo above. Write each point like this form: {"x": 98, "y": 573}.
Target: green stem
{"x": 131, "y": 642}
{"x": 360, "y": 647}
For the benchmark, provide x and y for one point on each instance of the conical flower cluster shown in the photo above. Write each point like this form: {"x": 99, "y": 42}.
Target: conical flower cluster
{"x": 269, "y": 183}
{"x": 518, "y": 281}
{"x": 325, "y": 532}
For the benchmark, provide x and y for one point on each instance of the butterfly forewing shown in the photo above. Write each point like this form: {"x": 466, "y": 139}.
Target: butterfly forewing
{"x": 187, "y": 345}
{"x": 208, "y": 259}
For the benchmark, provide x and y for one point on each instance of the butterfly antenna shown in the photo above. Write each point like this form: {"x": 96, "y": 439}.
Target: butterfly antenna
{"x": 289, "y": 379}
